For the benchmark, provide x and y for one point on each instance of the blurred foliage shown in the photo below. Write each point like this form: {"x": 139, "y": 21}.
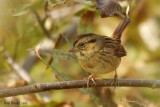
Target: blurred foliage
{"x": 59, "y": 21}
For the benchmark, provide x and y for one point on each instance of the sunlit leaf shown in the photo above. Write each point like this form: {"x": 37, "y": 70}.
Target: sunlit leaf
{"x": 84, "y": 2}
{"x": 25, "y": 6}
{"x": 19, "y": 13}
{"x": 21, "y": 10}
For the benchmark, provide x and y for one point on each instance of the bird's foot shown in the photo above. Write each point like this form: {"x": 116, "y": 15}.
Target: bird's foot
{"x": 90, "y": 78}
{"x": 115, "y": 80}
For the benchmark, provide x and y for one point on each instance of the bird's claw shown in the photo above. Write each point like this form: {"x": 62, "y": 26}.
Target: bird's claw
{"x": 90, "y": 78}
{"x": 115, "y": 80}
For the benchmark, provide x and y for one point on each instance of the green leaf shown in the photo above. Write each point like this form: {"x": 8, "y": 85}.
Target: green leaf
{"x": 21, "y": 10}
{"x": 19, "y": 13}
{"x": 84, "y": 2}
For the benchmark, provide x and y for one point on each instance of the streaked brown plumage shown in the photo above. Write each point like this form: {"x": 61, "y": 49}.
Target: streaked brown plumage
{"x": 98, "y": 54}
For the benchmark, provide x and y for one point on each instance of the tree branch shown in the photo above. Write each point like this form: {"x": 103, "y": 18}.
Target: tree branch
{"x": 40, "y": 87}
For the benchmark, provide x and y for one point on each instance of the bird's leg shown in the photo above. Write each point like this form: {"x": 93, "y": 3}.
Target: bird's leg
{"x": 115, "y": 80}
{"x": 90, "y": 78}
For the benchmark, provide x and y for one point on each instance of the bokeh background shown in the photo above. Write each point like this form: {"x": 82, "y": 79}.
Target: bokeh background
{"x": 52, "y": 26}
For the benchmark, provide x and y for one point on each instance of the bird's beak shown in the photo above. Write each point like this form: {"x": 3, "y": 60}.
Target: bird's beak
{"x": 72, "y": 50}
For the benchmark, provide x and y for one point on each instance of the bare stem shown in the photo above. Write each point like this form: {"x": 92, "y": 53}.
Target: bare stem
{"x": 40, "y": 87}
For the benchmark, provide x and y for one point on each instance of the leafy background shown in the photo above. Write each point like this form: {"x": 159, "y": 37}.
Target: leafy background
{"x": 26, "y": 23}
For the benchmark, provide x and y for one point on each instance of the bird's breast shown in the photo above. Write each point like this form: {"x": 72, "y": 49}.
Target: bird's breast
{"x": 100, "y": 64}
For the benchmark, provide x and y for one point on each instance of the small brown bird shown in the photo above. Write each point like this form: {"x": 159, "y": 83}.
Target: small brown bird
{"x": 99, "y": 54}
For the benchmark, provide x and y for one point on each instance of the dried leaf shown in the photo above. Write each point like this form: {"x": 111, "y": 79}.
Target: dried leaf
{"x": 109, "y": 8}
{"x": 37, "y": 53}
{"x": 88, "y": 17}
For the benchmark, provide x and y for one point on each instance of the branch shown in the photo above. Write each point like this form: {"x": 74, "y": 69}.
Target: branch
{"x": 40, "y": 87}
{"x": 22, "y": 73}
{"x": 41, "y": 23}
{"x": 17, "y": 68}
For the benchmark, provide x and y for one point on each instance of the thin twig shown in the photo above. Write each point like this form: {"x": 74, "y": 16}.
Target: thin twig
{"x": 40, "y": 87}
{"x": 41, "y": 23}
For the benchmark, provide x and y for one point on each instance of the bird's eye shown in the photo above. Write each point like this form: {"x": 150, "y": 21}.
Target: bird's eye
{"x": 81, "y": 45}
